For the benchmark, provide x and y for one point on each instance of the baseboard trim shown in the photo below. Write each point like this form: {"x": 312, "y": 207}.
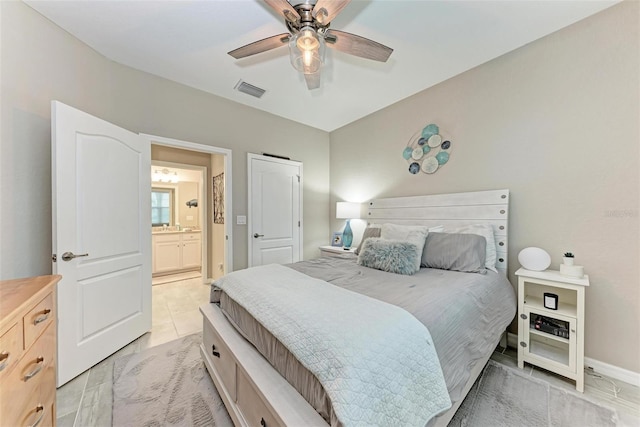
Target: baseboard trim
{"x": 612, "y": 371}
{"x": 603, "y": 368}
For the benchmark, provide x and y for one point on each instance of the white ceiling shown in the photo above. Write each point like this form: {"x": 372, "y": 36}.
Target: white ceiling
{"x": 188, "y": 41}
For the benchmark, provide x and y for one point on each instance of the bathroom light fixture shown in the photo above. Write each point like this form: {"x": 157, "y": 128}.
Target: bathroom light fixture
{"x": 165, "y": 175}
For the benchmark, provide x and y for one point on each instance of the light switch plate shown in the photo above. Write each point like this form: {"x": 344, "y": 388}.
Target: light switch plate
{"x": 241, "y": 220}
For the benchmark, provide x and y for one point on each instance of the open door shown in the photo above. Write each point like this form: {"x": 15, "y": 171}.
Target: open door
{"x": 275, "y": 209}
{"x": 101, "y": 225}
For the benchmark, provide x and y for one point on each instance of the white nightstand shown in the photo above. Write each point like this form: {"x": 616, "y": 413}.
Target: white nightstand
{"x": 557, "y": 350}
{"x": 337, "y": 251}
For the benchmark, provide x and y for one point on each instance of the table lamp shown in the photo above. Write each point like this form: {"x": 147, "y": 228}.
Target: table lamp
{"x": 348, "y": 211}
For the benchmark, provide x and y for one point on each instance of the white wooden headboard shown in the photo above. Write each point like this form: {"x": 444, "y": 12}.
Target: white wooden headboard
{"x": 449, "y": 210}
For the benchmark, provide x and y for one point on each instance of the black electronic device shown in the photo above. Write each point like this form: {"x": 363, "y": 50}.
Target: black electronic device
{"x": 551, "y": 326}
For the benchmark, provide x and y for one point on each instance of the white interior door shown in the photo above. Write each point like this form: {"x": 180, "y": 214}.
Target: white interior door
{"x": 275, "y": 211}
{"x": 102, "y": 214}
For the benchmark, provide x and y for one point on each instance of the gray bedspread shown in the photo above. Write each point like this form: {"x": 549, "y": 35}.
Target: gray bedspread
{"x": 465, "y": 312}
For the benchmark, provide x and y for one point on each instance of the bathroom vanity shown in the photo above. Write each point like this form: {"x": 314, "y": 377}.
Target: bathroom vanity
{"x": 176, "y": 251}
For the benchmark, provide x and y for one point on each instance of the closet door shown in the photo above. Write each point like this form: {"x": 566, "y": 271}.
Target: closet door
{"x": 275, "y": 208}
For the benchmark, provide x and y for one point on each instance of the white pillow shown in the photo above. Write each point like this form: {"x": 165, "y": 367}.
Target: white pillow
{"x": 484, "y": 230}
{"x": 416, "y": 234}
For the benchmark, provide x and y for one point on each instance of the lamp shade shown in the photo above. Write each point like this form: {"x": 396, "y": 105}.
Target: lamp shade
{"x": 347, "y": 210}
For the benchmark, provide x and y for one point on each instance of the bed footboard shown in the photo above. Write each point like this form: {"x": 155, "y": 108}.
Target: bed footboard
{"x": 253, "y": 392}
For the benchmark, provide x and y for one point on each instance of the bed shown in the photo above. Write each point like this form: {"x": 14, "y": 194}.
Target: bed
{"x": 261, "y": 380}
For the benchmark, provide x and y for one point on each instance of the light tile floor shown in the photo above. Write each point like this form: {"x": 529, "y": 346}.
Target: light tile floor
{"x": 87, "y": 399}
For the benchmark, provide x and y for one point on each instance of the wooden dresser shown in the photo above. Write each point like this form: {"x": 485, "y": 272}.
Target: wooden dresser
{"x": 28, "y": 351}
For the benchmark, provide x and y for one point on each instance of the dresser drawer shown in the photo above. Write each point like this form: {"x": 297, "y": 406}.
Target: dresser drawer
{"x": 10, "y": 349}
{"x": 31, "y": 383}
{"x": 222, "y": 360}
{"x": 37, "y": 320}
{"x": 253, "y": 409}
{"x": 39, "y": 407}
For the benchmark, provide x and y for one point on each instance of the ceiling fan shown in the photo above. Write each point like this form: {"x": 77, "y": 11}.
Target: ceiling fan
{"x": 308, "y": 24}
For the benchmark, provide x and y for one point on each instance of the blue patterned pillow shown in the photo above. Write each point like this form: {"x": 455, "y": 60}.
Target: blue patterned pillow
{"x": 393, "y": 256}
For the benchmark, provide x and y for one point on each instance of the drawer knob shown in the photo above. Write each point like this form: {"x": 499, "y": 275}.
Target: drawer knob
{"x": 45, "y": 316}
{"x": 523, "y": 316}
{"x": 523, "y": 344}
{"x": 4, "y": 359}
{"x": 40, "y": 409}
{"x": 263, "y": 423}
{"x": 214, "y": 352}
{"x": 40, "y": 363}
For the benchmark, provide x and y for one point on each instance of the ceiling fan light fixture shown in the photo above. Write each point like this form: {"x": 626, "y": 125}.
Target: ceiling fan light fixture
{"x": 307, "y": 39}
{"x": 306, "y": 50}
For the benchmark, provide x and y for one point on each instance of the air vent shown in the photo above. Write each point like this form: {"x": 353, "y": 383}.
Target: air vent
{"x": 249, "y": 89}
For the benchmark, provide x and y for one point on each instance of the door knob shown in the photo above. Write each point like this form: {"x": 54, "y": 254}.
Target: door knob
{"x": 68, "y": 256}
{"x": 256, "y": 235}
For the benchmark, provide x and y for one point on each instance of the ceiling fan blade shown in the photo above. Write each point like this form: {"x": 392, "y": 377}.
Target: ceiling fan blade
{"x": 285, "y": 9}
{"x": 325, "y": 10}
{"x": 313, "y": 80}
{"x": 357, "y": 45}
{"x": 260, "y": 46}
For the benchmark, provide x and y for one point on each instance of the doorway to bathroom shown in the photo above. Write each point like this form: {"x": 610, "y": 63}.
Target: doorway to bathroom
{"x": 191, "y": 199}
{"x": 179, "y": 238}
{"x": 199, "y": 204}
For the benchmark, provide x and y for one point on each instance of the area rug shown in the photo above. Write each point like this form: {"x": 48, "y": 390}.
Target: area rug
{"x": 167, "y": 385}
{"x": 505, "y": 397}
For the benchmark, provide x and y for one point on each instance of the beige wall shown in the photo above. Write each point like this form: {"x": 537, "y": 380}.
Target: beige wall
{"x": 556, "y": 122}
{"x": 188, "y": 190}
{"x": 40, "y": 62}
